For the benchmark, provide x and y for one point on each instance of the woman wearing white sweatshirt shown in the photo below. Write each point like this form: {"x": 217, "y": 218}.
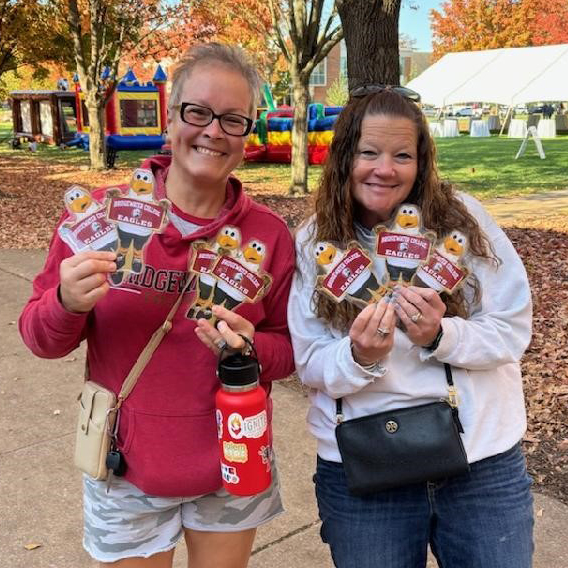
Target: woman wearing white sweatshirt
{"x": 392, "y": 353}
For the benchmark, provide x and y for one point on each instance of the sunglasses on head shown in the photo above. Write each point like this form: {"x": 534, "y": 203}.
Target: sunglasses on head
{"x": 365, "y": 90}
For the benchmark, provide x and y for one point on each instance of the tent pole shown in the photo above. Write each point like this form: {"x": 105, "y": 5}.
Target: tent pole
{"x": 505, "y": 120}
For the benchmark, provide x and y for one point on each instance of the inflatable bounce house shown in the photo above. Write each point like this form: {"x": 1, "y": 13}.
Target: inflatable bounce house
{"x": 135, "y": 115}
{"x": 136, "y": 119}
{"x": 271, "y": 138}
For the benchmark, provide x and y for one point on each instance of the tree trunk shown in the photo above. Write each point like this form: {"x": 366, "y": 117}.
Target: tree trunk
{"x": 370, "y": 30}
{"x": 299, "y": 181}
{"x": 97, "y": 146}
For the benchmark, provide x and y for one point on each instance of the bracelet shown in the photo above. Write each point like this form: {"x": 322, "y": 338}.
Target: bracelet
{"x": 248, "y": 348}
{"x": 434, "y": 345}
{"x": 376, "y": 367}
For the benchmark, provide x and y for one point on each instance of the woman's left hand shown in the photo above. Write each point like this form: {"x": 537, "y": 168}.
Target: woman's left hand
{"x": 228, "y": 330}
{"x": 421, "y": 311}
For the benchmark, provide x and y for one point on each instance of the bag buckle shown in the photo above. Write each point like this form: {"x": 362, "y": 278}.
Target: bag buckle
{"x": 453, "y": 400}
{"x": 339, "y": 417}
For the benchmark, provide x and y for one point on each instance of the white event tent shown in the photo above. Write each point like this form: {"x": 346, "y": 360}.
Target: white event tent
{"x": 506, "y": 76}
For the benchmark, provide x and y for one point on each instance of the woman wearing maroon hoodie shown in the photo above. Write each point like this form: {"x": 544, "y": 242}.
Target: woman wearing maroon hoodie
{"x": 167, "y": 431}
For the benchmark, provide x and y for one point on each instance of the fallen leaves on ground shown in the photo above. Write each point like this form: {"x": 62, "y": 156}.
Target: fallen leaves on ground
{"x": 32, "y": 546}
{"x": 545, "y": 364}
{"x": 31, "y": 203}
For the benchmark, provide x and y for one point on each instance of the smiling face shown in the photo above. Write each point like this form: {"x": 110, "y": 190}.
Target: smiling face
{"x": 385, "y": 166}
{"x": 204, "y": 156}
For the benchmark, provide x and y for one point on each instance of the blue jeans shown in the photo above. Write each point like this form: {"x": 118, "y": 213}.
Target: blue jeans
{"x": 483, "y": 519}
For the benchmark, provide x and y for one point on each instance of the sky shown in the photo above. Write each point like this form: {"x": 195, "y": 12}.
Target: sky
{"x": 416, "y": 23}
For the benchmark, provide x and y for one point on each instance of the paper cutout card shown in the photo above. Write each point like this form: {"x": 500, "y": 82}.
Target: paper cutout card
{"x": 444, "y": 271}
{"x": 138, "y": 216}
{"x": 228, "y": 275}
{"x": 347, "y": 274}
{"x": 87, "y": 227}
{"x": 404, "y": 244}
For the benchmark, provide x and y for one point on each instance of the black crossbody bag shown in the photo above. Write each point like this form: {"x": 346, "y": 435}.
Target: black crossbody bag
{"x": 402, "y": 446}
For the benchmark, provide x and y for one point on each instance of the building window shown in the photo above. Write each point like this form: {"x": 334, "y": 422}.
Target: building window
{"x": 69, "y": 118}
{"x": 45, "y": 118}
{"x": 138, "y": 113}
{"x": 26, "y": 116}
{"x": 342, "y": 60}
{"x": 318, "y": 76}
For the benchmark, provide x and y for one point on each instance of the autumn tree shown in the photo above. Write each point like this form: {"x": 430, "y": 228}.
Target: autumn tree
{"x": 305, "y": 41}
{"x": 246, "y": 23}
{"x": 371, "y": 38}
{"x": 102, "y": 32}
{"x": 468, "y": 25}
{"x": 548, "y": 26}
{"x": 26, "y": 36}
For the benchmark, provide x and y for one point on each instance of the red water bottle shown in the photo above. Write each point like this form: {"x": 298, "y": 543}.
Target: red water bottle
{"x": 242, "y": 426}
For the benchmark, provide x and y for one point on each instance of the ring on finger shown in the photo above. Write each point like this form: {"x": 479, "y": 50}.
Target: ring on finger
{"x": 382, "y": 331}
{"x": 415, "y": 317}
{"x": 221, "y": 344}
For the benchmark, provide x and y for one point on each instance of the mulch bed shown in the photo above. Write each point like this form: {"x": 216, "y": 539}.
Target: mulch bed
{"x": 31, "y": 202}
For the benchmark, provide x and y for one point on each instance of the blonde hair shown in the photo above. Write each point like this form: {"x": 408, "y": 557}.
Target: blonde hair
{"x": 230, "y": 56}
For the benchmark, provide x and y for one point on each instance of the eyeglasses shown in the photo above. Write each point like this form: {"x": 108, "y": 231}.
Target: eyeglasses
{"x": 365, "y": 90}
{"x": 197, "y": 115}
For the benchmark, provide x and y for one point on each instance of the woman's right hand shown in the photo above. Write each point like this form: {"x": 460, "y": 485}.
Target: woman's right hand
{"x": 83, "y": 279}
{"x": 372, "y": 332}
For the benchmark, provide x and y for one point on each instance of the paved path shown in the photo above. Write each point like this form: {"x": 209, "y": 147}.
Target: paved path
{"x": 40, "y": 489}
{"x": 537, "y": 206}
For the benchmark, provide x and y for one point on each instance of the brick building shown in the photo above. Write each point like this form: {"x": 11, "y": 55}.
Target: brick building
{"x": 412, "y": 63}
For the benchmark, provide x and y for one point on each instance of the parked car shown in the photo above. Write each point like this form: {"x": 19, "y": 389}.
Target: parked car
{"x": 468, "y": 111}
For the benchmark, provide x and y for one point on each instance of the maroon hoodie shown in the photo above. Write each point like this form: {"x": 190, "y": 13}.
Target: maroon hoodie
{"x": 167, "y": 427}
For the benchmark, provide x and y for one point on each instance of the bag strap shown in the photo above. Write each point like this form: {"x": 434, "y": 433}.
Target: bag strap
{"x": 452, "y": 391}
{"x": 452, "y": 399}
{"x": 144, "y": 357}
{"x": 146, "y": 354}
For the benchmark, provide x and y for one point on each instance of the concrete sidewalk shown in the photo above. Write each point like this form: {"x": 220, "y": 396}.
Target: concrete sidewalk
{"x": 40, "y": 491}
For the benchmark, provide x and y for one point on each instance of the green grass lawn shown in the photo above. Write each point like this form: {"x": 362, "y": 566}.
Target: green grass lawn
{"x": 486, "y": 166}
{"x": 483, "y": 166}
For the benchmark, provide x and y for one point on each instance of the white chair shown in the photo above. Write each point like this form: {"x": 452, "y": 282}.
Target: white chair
{"x": 531, "y": 131}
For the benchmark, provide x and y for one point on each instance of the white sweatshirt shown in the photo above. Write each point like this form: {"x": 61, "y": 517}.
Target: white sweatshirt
{"x": 483, "y": 350}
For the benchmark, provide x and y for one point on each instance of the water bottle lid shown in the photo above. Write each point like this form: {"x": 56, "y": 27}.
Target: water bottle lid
{"x": 238, "y": 370}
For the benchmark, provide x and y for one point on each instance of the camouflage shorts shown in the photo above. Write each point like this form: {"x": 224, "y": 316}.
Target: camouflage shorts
{"x": 127, "y": 523}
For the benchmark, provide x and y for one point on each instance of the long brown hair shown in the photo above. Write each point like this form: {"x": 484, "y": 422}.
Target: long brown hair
{"x": 335, "y": 208}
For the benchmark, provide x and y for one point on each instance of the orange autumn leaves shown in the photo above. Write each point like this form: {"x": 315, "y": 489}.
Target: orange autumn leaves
{"x": 468, "y": 25}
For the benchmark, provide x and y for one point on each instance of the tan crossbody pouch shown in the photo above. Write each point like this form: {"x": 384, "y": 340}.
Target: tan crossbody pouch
{"x": 99, "y": 407}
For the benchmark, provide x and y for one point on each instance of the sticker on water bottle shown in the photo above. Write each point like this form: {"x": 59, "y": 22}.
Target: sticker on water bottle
{"x": 219, "y": 419}
{"x": 249, "y": 427}
{"x": 265, "y": 454}
{"x": 229, "y": 474}
{"x": 235, "y": 452}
